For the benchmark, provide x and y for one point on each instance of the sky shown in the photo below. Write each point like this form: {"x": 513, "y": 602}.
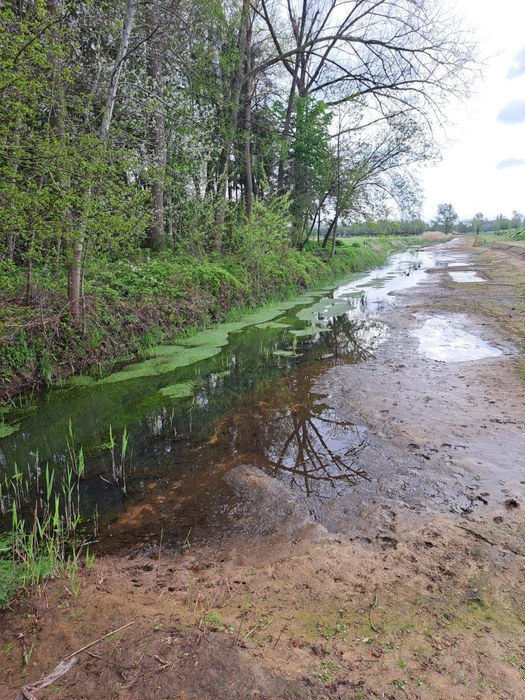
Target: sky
{"x": 483, "y": 164}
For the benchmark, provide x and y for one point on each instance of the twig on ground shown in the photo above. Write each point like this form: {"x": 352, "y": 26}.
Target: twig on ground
{"x": 374, "y": 603}
{"x": 238, "y": 632}
{"x": 100, "y": 639}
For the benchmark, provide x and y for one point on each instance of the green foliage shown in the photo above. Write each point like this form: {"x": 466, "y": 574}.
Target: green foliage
{"x": 10, "y": 574}
{"x": 308, "y": 159}
{"x": 262, "y": 241}
{"x": 446, "y": 217}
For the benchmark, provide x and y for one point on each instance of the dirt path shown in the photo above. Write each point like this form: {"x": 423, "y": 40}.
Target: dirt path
{"x": 406, "y": 584}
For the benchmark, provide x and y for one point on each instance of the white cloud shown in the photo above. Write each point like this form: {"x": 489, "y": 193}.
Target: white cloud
{"x": 510, "y": 163}
{"x": 513, "y": 113}
{"x": 519, "y": 66}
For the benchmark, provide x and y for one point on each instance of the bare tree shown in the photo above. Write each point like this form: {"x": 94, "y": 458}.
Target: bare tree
{"x": 390, "y": 57}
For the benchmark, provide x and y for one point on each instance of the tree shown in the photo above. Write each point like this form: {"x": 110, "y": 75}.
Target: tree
{"x": 127, "y": 124}
{"x": 517, "y": 220}
{"x": 386, "y": 59}
{"x": 446, "y": 217}
{"x": 477, "y": 222}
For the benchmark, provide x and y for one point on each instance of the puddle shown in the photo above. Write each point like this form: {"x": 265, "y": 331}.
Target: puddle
{"x": 314, "y": 453}
{"x": 170, "y": 403}
{"x": 469, "y": 276}
{"x": 369, "y": 293}
{"x": 282, "y": 445}
{"x": 443, "y": 339}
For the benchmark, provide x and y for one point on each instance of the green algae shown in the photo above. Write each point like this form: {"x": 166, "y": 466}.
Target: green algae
{"x": 212, "y": 337}
{"x": 6, "y": 430}
{"x": 182, "y": 390}
{"x": 166, "y": 358}
{"x": 78, "y": 381}
{"x": 286, "y": 353}
{"x": 310, "y": 331}
{"x": 204, "y": 344}
{"x": 374, "y": 284}
{"x": 327, "y": 308}
{"x": 272, "y": 324}
{"x": 296, "y": 301}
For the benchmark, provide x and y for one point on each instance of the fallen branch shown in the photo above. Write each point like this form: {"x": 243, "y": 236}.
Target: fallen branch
{"x": 26, "y": 693}
{"x": 67, "y": 663}
{"x": 100, "y": 639}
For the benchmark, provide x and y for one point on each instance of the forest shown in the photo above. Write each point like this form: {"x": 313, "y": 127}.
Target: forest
{"x": 152, "y": 152}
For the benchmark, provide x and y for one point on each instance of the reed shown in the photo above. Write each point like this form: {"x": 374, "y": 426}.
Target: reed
{"x": 47, "y": 534}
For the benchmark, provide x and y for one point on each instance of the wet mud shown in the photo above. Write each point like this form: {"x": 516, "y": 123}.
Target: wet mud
{"x": 350, "y": 529}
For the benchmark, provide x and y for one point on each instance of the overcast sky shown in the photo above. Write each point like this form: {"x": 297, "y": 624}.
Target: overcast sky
{"x": 483, "y": 167}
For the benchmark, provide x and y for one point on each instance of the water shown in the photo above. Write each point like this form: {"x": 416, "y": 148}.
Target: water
{"x": 172, "y": 403}
{"x": 468, "y": 276}
{"x": 444, "y": 339}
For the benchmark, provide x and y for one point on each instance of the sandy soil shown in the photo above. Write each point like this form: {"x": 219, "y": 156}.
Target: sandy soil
{"x": 406, "y": 584}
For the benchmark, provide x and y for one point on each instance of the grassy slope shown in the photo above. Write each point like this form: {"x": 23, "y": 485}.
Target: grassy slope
{"x": 132, "y": 304}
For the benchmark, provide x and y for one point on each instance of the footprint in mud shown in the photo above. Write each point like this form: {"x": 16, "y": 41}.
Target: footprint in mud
{"x": 387, "y": 542}
{"x": 511, "y": 504}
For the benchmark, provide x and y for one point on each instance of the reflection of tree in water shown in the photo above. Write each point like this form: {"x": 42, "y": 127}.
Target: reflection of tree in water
{"x": 353, "y": 339}
{"x": 310, "y": 444}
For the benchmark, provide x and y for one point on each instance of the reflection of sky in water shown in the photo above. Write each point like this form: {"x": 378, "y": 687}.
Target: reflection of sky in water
{"x": 444, "y": 340}
{"x": 404, "y": 270}
{"x": 469, "y": 276}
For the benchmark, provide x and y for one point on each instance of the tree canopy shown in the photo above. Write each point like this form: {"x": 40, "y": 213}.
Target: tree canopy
{"x": 176, "y": 124}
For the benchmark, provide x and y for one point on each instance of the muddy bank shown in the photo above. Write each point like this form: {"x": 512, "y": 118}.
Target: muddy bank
{"x": 361, "y": 534}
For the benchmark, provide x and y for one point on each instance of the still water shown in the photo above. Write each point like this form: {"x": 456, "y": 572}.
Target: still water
{"x": 171, "y": 403}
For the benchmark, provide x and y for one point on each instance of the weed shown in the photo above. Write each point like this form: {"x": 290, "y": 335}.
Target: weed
{"x": 118, "y": 463}
{"x": 399, "y": 682}
{"x": 331, "y": 630}
{"x": 213, "y": 619}
{"x": 90, "y": 558}
{"x": 28, "y": 653}
{"x": 72, "y": 573}
{"x": 45, "y": 537}
{"x": 326, "y": 674}
{"x": 512, "y": 660}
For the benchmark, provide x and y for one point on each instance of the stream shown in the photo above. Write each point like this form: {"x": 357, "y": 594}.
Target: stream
{"x": 238, "y": 393}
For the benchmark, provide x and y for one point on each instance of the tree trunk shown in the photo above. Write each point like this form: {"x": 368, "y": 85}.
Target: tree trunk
{"x": 74, "y": 283}
{"x": 232, "y": 121}
{"x": 127, "y": 27}
{"x": 156, "y": 231}
{"x": 75, "y": 278}
{"x": 248, "y": 175}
